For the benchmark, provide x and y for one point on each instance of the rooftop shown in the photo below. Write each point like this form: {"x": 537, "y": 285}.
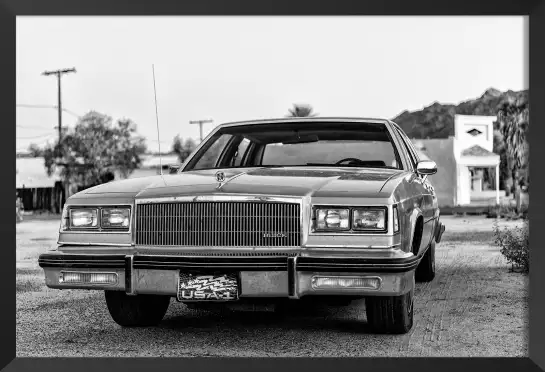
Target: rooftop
{"x": 477, "y": 151}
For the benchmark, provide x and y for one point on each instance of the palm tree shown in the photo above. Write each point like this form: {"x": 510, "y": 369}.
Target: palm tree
{"x": 301, "y": 110}
{"x": 513, "y": 118}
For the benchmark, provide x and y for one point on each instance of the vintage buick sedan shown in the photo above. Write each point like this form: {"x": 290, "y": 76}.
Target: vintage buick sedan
{"x": 268, "y": 211}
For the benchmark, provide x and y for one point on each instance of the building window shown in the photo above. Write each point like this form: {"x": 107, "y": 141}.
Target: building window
{"x": 474, "y": 132}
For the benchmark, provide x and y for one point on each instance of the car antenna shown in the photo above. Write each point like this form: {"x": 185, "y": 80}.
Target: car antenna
{"x": 157, "y": 119}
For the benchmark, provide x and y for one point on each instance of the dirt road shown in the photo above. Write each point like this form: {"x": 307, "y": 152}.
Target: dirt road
{"x": 474, "y": 307}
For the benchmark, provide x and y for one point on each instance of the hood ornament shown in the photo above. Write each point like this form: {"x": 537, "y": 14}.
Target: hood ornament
{"x": 222, "y": 180}
{"x": 220, "y": 176}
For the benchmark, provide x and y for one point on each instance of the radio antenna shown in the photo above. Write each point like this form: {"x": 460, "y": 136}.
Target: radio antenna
{"x": 157, "y": 119}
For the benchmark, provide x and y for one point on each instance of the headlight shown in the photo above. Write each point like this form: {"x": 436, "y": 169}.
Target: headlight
{"x": 97, "y": 219}
{"x": 369, "y": 219}
{"x": 332, "y": 219}
{"x": 115, "y": 218}
{"x": 86, "y": 218}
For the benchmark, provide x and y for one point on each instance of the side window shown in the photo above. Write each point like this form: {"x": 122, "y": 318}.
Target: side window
{"x": 407, "y": 148}
{"x": 241, "y": 152}
{"x": 238, "y": 156}
{"x": 210, "y": 157}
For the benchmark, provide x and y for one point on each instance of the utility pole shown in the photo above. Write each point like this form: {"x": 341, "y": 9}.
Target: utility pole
{"x": 59, "y": 74}
{"x": 200, "y": 122}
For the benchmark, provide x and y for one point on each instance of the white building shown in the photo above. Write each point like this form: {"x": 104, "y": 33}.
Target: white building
{"x": 461, "y": 160}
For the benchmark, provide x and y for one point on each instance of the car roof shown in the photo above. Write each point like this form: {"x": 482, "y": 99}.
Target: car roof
{"x": 308, "y": 120}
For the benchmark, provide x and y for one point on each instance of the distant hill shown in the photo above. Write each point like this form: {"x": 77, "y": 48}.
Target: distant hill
{"x": 437, "y": 120}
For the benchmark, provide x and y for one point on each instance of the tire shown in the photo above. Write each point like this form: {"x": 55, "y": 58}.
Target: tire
{"x": 425, "y": 272}
{"x": 392, "y": 314}
{"x": 136, "y": 311}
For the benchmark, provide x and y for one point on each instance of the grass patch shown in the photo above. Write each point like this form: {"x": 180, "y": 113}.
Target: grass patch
{"x": 470, "y": 236}
{"x": 29, "y": 280}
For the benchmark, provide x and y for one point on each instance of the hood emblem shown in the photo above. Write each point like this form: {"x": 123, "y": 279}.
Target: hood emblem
{"x": 220, "y": 176}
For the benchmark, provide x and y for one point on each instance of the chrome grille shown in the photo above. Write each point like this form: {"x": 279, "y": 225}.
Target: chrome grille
{"x": 218, "y": 224}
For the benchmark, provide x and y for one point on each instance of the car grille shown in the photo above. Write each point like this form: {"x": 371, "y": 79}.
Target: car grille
{"x": 219, "y": 224}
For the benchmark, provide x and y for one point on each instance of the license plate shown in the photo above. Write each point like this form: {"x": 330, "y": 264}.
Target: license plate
{"x": 193, "y": 287}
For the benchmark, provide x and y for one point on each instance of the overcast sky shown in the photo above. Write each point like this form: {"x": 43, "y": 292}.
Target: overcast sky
{"x": 238, "y": 68}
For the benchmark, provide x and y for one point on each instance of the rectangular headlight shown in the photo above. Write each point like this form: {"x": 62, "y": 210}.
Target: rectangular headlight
{"x": 332, "y": 219}
{"x": 369, "y": 219}
{"x": 116, "y": 218}
{"x": 83, "y": 218}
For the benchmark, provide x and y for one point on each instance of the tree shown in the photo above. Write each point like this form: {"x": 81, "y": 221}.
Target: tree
{"x": 183, "y": 148}
{"x": 513, "y": 118}
{"x": 95, "y": 150}
{"x": 35, "y": 150}
{"x": 301, "y": 110}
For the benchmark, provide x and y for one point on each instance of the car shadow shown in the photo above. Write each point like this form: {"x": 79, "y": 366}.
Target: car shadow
{"x": 348, "y": 319}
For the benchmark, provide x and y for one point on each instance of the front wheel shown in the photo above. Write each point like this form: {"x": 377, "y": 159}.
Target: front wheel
{"x": 425, "y": 272}
{"x": 390, "y": 314}
{"x": 136, "y": 311}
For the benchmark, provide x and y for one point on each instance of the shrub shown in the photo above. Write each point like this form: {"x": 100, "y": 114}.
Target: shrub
{"x": 515, "y": 245}
{"x": 507, "y": 211}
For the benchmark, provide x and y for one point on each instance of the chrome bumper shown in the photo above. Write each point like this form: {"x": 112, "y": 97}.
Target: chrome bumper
{"x": 268, "y": 276}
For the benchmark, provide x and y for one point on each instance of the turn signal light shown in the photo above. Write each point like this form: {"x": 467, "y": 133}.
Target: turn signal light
{"x": 339, "y": 282}
{"x": 74, "y": 277}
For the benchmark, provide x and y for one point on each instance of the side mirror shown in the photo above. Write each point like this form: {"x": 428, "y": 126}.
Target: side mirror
{"x": 426, "y": 168}
{"x": 173, "y": 168}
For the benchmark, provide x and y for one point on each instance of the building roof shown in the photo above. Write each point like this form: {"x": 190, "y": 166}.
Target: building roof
{"x": 477, "y": 150}
{"x": 154, "y": 161}
{"x": 31, "y": 173}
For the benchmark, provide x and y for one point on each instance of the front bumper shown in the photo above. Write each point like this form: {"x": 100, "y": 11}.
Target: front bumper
{"x": 265, "y": 276}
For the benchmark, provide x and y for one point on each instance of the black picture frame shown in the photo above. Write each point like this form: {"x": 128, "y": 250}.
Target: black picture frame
{"x": 535, "y": 9}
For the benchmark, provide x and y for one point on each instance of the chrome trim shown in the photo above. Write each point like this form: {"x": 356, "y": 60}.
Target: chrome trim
{"x": 224, "y": 197}
{"x": 345, "y": 277}
{"x": 100, "y": 244}
{"x": 356, "y": 246}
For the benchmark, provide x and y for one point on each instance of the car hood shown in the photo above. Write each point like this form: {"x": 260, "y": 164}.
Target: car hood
{"x": 285, "y": 181}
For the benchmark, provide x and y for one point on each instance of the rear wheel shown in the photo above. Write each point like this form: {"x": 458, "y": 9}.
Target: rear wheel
{"x": 425, "y": 272}
{"x": 136, "y": 311}
{"x": 391, "y": 314}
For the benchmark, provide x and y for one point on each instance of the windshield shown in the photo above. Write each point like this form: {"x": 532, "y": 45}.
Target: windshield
{"x": 366, "y": 145}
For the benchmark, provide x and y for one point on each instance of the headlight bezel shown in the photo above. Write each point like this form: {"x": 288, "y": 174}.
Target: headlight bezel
{"x": 351, "y": 209}
{"x": 67, "y": 226}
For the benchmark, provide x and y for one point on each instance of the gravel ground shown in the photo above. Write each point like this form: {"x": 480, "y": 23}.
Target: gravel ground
{"x": 474, "y": 307}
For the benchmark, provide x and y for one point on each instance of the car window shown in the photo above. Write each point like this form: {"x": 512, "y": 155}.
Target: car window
{"x": 239, "y": 154}
{"x": 210, "y": 157}
{"x": 374, "y": 153}
{"x": 322, "y": 144}
{"x": 412, "y": 156}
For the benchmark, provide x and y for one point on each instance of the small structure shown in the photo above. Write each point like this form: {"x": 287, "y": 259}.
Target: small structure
{"x": 37, "y": 190}
{"x": 462, "y": 161}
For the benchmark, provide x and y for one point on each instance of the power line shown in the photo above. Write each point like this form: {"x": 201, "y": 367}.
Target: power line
{"x": 34, "y": 137}
{"x": 49, "y": 107}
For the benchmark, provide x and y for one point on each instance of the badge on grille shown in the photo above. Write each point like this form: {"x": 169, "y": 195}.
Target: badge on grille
{"x": 274, "y": 235}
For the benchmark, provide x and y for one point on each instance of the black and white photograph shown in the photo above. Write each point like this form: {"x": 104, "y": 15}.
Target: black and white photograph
{"x": 270, "y": 186}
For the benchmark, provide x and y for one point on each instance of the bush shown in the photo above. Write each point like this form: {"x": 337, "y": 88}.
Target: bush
{"x": 507, "y": 211}
{"x": 515, "y": 245}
